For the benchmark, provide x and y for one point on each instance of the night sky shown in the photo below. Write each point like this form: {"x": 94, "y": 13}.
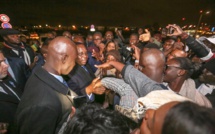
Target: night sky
{"x": 106, "y": 12}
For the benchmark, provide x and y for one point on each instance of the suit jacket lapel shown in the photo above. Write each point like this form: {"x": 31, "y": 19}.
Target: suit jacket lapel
{"x": 8, "y": 98}
{"x": 51, "y": 81}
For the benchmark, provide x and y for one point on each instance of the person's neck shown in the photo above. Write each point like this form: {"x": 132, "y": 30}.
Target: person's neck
{"x": 12, "y": 44}
{"x": 176, "y": 84}
{"x": 50, "y": 69}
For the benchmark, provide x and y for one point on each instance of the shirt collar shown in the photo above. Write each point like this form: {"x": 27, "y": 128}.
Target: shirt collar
{"x": 60, "y": 78}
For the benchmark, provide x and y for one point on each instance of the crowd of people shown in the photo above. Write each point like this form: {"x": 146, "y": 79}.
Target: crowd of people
{"x": 150, "y": 83}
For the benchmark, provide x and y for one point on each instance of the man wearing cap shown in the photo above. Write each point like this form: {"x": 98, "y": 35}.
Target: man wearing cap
{"x": 13, "y": 47}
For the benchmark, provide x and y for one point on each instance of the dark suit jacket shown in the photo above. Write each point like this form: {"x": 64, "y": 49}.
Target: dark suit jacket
{"x": 8, "y": 52}
{"x": 80, "y": 79}
{"x": 21, "y": 71}
{"x": 8, "y": 104}
{"x": 44, "y": 106}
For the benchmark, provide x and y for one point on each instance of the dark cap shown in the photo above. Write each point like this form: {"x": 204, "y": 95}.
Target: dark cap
{"x": 8, "y": 31}
{"x": 210, "y": 66}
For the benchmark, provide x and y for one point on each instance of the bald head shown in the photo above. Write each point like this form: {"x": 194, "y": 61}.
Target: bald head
{"x": 176, "y": 53}
{"x": 61, "y": 56}
{"x": 153, "y": 62}
{"x": 160, "y": 115}
{"x": 67, "y": 34}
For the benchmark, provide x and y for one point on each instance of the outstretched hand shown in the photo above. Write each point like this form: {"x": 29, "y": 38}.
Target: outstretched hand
{"x": 106, "y": 65}
{"x": 92, "y": 88}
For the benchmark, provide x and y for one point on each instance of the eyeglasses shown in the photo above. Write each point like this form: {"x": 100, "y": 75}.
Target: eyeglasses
{"x": 97, "y": 39}
{"x": 109, "y": 35}
{"x": 167, "y": 66}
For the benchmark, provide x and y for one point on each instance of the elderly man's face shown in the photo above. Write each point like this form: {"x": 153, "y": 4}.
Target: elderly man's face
{"x": 12, "y": 39}
{"x": 3, "y": 66}
{"x": 82, "y": 55}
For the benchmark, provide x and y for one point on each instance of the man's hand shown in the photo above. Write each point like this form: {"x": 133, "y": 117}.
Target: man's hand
{"x": 136, "y": 54}
{"x": 73, "y": 110}
{"x": 177, "y": 30}
{"x": 3, "y": 128}
{"x": 106, "y": 65}
{"x": 145, "y": 37}
{"x": 92, "y": 88}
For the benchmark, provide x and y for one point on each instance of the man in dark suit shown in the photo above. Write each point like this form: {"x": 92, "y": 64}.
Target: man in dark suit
{"x": 46, "y": 102}
{"x": 82, "y": 76}
{"x": 19, "y": 71}
{"x": 13, "y": 47}
{"x": 9, "y": 96}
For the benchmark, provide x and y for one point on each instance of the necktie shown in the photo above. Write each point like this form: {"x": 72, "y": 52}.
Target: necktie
{"x": 64, "y": 82}
{"x": 85, "y": 68}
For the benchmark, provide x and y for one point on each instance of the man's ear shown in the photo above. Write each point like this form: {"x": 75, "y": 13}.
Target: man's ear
{"x": 181, "y": 72}
{"x": 4, "y": 37}
{"x": 45, "y": 55}
{"x": 64, "y": 58}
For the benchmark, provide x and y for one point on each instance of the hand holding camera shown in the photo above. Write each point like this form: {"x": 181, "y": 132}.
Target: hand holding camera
{"x": 174, "y": 30}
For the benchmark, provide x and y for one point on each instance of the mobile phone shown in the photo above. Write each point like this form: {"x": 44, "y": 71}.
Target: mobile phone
{"x": 170, "y": 30}
{"x": 164, "y": 31}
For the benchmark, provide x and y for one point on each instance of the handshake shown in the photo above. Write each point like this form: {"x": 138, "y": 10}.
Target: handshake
{"x": 95, "y": 87}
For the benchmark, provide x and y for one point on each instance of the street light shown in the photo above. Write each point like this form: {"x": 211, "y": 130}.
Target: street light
{"x": 200, "y": 18}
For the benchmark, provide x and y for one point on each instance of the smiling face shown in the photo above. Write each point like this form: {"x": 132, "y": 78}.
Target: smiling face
{"x": 109, "y": 36}
{"x": 168, "y": 44}
{"x": 12, "y": 39}
{"x": 97, "y": 39}
{"x": 133, "y": 40}
{"x": 111, "y": 46}
{"x": 82, "y": 55}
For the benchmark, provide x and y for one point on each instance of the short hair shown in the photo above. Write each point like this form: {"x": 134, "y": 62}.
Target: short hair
{"x": 185, "y": 64}
{"x": 115, "y": 54}
{"x": 98, "y": 33}
{"x": 189, "y": 118}
{"x": 135, "y": 34}
{"x": 151, "y": 45}
{"x": 91, "y": 119}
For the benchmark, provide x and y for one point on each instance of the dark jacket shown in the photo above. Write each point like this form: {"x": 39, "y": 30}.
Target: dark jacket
{"x": 21, "y": 71}
{"x": 8, "y": 52}
{"x": 8, "y": 103}
{"x": 44, "y": 106}
{"x": 79, "y": 79}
